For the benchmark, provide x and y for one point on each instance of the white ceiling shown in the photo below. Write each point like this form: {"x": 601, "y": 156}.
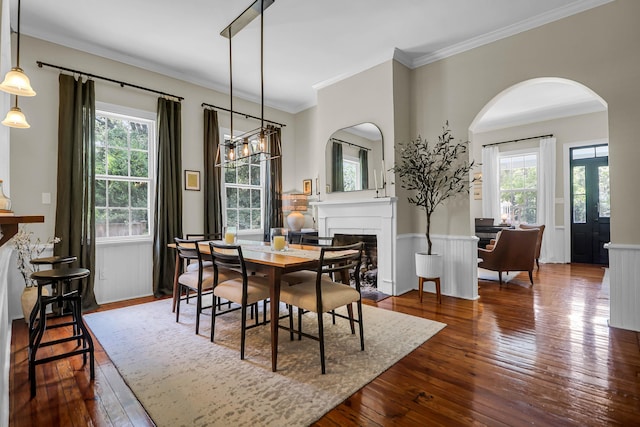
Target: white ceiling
{"x": 307, "y": 44}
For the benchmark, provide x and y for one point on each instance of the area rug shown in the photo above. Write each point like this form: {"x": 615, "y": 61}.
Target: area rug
{"x": 183, "y": 379}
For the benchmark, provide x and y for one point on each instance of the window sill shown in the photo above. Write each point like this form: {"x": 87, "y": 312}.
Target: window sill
{"x": 124, "y": 241}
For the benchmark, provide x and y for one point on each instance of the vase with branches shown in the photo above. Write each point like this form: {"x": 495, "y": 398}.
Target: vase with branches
{"x": 28, "y": 249}
{"x": 434, "y": 173}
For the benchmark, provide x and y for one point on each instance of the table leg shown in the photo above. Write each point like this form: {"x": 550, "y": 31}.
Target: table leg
{"x": 274, "y": 279}
{"x": 175, "y": 282}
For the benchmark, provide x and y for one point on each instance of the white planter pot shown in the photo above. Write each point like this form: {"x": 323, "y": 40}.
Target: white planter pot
{"x": 428, "y": 266}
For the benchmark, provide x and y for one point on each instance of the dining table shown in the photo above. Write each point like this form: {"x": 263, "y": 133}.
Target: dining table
{"x": 261, "y": 258}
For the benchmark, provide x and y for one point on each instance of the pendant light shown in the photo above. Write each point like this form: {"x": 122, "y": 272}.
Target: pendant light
{"x": 252, "y": 143}
{"x": 16, "y": 81}
{"x": 15, "y": 118}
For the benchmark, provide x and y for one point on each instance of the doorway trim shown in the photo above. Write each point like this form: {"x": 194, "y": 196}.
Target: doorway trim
{"x": 566, "y": 165}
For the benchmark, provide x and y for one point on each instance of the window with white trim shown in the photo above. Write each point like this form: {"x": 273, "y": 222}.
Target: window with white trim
{"x": 519, "y": 187}
{"x": 124, "y": 173}
{"x": 351, "y": 173}
{"x": 243, "y": 194}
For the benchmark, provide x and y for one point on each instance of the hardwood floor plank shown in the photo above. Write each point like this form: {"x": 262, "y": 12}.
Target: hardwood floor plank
{"x": 519, "y": 355}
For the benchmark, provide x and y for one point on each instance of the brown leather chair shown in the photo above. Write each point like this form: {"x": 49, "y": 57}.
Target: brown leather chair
{"x": 539, "y": 242}
{"x": 514, "y": 251}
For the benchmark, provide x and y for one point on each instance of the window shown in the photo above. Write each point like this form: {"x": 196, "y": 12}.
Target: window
{"x": 124, "y": 151}
{"x": 244, "y": 193}
{"x": 351, "y": 173}
{"x": 518, "y": 187}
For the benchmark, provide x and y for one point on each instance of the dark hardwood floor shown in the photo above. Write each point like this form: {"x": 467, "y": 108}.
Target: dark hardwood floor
{"x": 520, "y": 355}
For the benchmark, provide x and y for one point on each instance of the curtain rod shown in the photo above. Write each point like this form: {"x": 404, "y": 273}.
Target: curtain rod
{"x": 122, "y": 84}
{"x": 518, "y": 140}
{"x": 246, "y": 116}
{"x": 350, "y": 143}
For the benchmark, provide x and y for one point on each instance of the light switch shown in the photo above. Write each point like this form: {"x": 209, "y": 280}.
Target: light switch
{"x": 46, "y": 198}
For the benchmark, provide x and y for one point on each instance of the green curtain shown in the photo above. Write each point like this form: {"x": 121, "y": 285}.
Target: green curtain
{"x": 337, "y": 179}
{"x": 273, "y": 208}
{"x": 212, "y": 178}
{"x": 75, "y": 219}
{"x": 364, "y": 169}
{"x": 168, "y": 206}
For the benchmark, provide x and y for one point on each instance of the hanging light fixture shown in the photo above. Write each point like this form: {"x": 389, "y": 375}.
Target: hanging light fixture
{"x": 15, "y": 118}
{"x": 252, "y": 144}
{"x": 16, "y": 81}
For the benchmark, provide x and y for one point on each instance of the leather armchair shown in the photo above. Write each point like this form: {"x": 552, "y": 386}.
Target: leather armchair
{"x": 538, "y": 242}
{"x": 514, "y": 251}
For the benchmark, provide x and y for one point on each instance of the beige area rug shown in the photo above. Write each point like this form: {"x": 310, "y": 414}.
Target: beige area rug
{"x": 183, "y": 379}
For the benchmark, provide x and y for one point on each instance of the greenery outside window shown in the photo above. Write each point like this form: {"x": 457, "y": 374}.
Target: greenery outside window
{"x": 124, "y": 170}
{"x": 243, "y": 192}
{"x": 519, "y": 187}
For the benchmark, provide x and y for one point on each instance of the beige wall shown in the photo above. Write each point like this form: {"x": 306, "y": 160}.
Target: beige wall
{"x": 597, "y": 48}
{"x": 34, "y": 150}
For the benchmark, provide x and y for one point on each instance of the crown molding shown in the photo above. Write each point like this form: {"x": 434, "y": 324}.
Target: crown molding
{"x": 511, "y": 30}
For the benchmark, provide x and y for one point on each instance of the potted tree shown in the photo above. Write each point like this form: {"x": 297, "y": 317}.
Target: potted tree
{"x": 433, "y": 173}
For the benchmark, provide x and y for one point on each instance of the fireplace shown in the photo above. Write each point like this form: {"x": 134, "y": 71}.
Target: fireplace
{"x": 374, "y": 217}
{"x": 369, "y": 268}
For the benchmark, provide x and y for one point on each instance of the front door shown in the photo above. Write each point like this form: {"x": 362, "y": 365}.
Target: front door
{"x": 590, "y": 207}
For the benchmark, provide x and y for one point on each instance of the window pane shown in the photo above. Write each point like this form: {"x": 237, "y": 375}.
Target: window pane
{"x": 229, "y": 175}
{"x": 139, "y": 194}
{"x": 255, "y": 175}
{"x": 244, "y": 198}
{"x": 139, "y": 136}
{"x": 232, "y": 217}
{"x": 140, "y": 222}
{"x": 349, "y": 173}
{"x": 232, "y": 197}
{"x": 602, "y": 151}
{"x": 583, "y": 153}
{"x": 101, "y": 193}
{"x": 101, "y": 222}
{"x": 518, "y": 187}
{"x": 243, "y": 174}
{"x": 139, "y": 164}
{"x": 603, "y": 192}
{"x": 244, "y": 219}
{"x": 579, "y": 180}
{"x": 118, "y": 162}
{"x": 579, "y": 208}
{"x": 101, "y": 161}
{"x": 117, "y": 136}
{"x": 118, "y": 193}
{"x": 118, "y": 222}
{"x": 255, "y": 198}
{"x": 256, "y": 219}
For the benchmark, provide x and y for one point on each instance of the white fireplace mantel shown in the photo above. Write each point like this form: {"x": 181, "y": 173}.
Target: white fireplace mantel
{"x": 375, "y": 216}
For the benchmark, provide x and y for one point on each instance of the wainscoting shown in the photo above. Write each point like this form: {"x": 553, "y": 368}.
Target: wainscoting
{"x": 624, "y": 300}
{"x": 460, "y": 275}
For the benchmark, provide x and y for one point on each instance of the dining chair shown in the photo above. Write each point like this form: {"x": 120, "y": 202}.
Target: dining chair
{"x": 323, "y": 295}
{"x": 244, "y": 289}
{"x": 301, "y": 276}
{"x": 198, "y": 280}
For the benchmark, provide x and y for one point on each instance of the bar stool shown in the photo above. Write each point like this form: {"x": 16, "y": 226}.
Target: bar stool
{"x": 80, "y": 333}
{"x": 55, "y": 262}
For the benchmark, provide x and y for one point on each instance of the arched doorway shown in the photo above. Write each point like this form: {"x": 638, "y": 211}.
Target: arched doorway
{"x": 575, "y": 117}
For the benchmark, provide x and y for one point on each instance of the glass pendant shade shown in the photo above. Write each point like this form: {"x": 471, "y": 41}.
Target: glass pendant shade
{"x": 16, "y": 119}
{"x": 16, "y": 82}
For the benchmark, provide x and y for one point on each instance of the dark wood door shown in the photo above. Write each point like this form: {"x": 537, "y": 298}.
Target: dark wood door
{"x": 590, "y": 207}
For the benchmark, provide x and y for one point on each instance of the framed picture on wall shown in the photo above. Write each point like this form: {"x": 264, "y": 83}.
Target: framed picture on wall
{"x": 192, "y": 180}
{"x": 307, "y": 187}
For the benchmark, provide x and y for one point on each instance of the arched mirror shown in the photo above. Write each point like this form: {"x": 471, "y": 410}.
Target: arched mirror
{"x": 354, "y": 158}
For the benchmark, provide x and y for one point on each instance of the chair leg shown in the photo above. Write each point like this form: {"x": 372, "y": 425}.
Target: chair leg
{"x": 351, "y": 323}
{"x": 538, "y": 263}
{"x": 291, "y": 322}
{"x": 300, "y": 313}
{"x": 359, "y": 303}
{"x": 243, "y": 327}
{"x": 531, "y": 276}
{"x": 213, "y": 316}
{"x": 500, "y": 277}
{"x": 198, "y": 309}
{"x": 177, "y": 310}
{"x": 321, "y": 339}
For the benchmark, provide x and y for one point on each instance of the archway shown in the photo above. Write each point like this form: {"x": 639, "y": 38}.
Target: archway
{"x": 516, "y": 118}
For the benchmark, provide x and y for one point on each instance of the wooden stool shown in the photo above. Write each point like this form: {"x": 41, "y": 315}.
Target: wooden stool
{"x": 55, "y": 262}
{"x": 80, "y": 332}
{"x": 436, "y": 280}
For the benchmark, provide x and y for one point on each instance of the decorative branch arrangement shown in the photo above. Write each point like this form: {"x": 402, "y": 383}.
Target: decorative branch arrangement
{"x": 28, "y": 251}
{"x": 434, "y": 172}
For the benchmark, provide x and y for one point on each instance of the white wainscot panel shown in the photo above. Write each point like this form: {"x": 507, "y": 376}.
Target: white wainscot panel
{"x": 460, "y": 274}
{"x": 624, "y": 271}
{"x": 123, "y": 271}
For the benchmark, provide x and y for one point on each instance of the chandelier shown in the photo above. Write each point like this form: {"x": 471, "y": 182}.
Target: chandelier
{"x": 252, "y": 145}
